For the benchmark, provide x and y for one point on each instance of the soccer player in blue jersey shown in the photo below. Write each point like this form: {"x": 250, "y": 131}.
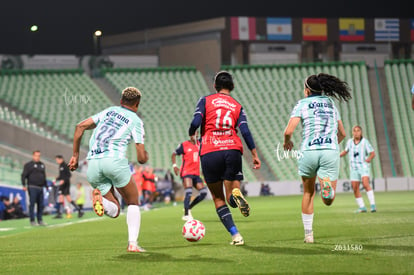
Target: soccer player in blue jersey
{"x": 322, "y": 131}
{"x": 360, "y": 155}
{"x": 108, "y": 166}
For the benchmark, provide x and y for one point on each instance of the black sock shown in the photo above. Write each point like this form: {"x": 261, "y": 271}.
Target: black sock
{"x": 188, "y": 193}
{"x": 59, "y": 205}
{"x": 200, "y": 197}
{"x": 74, "y": 205}
{"x": 225, "y": 216}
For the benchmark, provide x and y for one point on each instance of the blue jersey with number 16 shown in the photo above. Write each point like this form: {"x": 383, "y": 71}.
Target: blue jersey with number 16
{"x": 115, "y": 128}
{"x": 319, "y": 118}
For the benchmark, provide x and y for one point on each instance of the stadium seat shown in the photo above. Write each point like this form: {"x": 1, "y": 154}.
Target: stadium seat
{"x": 400, "y": 78}
{"x": 57, "y": 98}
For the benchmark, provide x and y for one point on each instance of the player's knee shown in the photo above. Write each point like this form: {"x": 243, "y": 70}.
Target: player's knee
{"x": 113, "y": 212}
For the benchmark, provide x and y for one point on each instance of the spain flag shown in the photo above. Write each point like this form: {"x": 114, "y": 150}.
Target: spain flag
{"x": 351, "y": 29}
{"x": 314, "y": 29}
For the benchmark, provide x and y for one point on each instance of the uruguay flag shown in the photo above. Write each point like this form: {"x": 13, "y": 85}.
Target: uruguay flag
{"x": 387, "y": 29}
{"x": 279, "y": 28}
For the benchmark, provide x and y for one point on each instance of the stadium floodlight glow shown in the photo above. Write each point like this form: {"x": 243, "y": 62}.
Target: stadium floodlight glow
{"x": 34, "y": 28}
{"x": 98, "y": 33}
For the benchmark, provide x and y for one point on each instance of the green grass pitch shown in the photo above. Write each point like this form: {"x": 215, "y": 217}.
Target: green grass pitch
{"x": 273, "y": 235}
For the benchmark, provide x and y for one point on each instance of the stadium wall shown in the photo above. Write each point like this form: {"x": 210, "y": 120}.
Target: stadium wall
{"x": 27, "y": 140}
{"x": 283, "y": 188}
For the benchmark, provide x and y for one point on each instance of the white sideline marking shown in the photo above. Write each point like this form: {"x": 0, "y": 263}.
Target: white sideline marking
{"x": 70, "y": 223}
{"x": 7, "y": 229}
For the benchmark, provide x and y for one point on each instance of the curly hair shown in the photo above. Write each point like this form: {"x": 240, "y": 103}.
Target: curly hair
{"x": 130, "y": 96}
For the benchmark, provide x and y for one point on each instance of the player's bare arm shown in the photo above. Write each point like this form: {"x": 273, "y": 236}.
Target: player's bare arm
{"x": 174, "y": 163}
{"x": 343, "y": 153}
{"x": 341, "y": 131}
{"x": 290, "y": 128}
{"x": 256, "y": 161}
{"x": 412, "y": 102}
{"x": 87, "y": 124}
{"x": 370, "y": 157}
{"x": 142, "y": 155}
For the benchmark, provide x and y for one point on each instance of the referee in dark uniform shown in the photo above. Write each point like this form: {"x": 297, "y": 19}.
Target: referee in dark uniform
{"x": 33, "y": 180}
{"x": 63, "y": 183}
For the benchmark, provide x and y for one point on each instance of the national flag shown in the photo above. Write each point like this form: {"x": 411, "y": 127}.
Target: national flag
{"x": 351, "y": 29}
{"x": 314, "y": 29}
{"x": 387, "y": 29}
{"x": 279, "y": 28}
{"x": 412, "y": 29}
{"x": 243, "y": 28}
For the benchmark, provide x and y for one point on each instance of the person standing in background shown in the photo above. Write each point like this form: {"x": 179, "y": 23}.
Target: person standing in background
{"x": 80, "y": 198}
{"x": 361, "y": 154}
{"x": 33, "y": 180}
{"x": 63, "y": 181}
{"x": 138, "y": 181}
{"x": 148, "y": 187}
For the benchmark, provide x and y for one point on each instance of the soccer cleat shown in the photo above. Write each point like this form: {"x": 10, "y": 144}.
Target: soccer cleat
{"x": 361, "y": 210}
{"x": 69, "y": 216}
{"x": 135, "y": 248}
{"x": 33, "y": 223}
{"x": 80, "y": 214}
{"x": 188, "y": 216}
{"x": 97, "y": 203}
{"x": 41, "y": 223}
{"x": 58, "y": 216}
{"x": 327, "y": 191}
{"x": 237, "y": 240}
{"x": 241, "y": 202}
{"x": 373, "y": 208}
{"x": 308, "y": 238}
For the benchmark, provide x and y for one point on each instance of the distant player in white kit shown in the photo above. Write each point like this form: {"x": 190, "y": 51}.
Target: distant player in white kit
{"x": 108, "y": 167}
{"x": 360, "y": 155}
{"x": 412, "y": 100}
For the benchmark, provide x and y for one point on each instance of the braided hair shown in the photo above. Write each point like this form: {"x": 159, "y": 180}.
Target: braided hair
{"x": 329, "y": 85}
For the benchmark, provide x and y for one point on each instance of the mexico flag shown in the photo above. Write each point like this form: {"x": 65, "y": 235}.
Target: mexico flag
{"x": 243, "y": 28}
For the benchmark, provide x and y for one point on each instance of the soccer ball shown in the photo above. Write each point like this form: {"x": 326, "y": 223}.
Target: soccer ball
{"x": 193, "y": 230}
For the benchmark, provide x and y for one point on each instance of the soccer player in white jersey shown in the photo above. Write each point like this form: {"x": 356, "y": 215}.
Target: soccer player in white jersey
{"x": 322, "y": 131}
{"x": 360, "y": 155}
{"x": 108, "y": 166}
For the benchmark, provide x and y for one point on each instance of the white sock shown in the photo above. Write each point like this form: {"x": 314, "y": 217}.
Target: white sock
{"x": 111, "y": 209}
{"x": 133, "y": 222}
{"x": 307, "y": 220}
{"x": 370, "y": 195}
{"x": 360, "y": 202}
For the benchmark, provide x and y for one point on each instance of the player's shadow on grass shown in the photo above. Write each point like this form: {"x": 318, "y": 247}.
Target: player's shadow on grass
{"x": 162, "y": 257}
{"x": 309, "y": 250}
{"x": 387, "y": 248}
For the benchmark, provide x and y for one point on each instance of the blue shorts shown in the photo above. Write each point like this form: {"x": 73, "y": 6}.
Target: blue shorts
{"x": 195, "y": 179}
{"x": 323, "y": 163}
{"x": 107, "y": 172}
{"x": 222, "y": 165}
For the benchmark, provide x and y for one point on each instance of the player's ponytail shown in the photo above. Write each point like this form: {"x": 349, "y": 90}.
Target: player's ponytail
{"x": 223, "y": 80}
{"x": 329, "y": 85}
